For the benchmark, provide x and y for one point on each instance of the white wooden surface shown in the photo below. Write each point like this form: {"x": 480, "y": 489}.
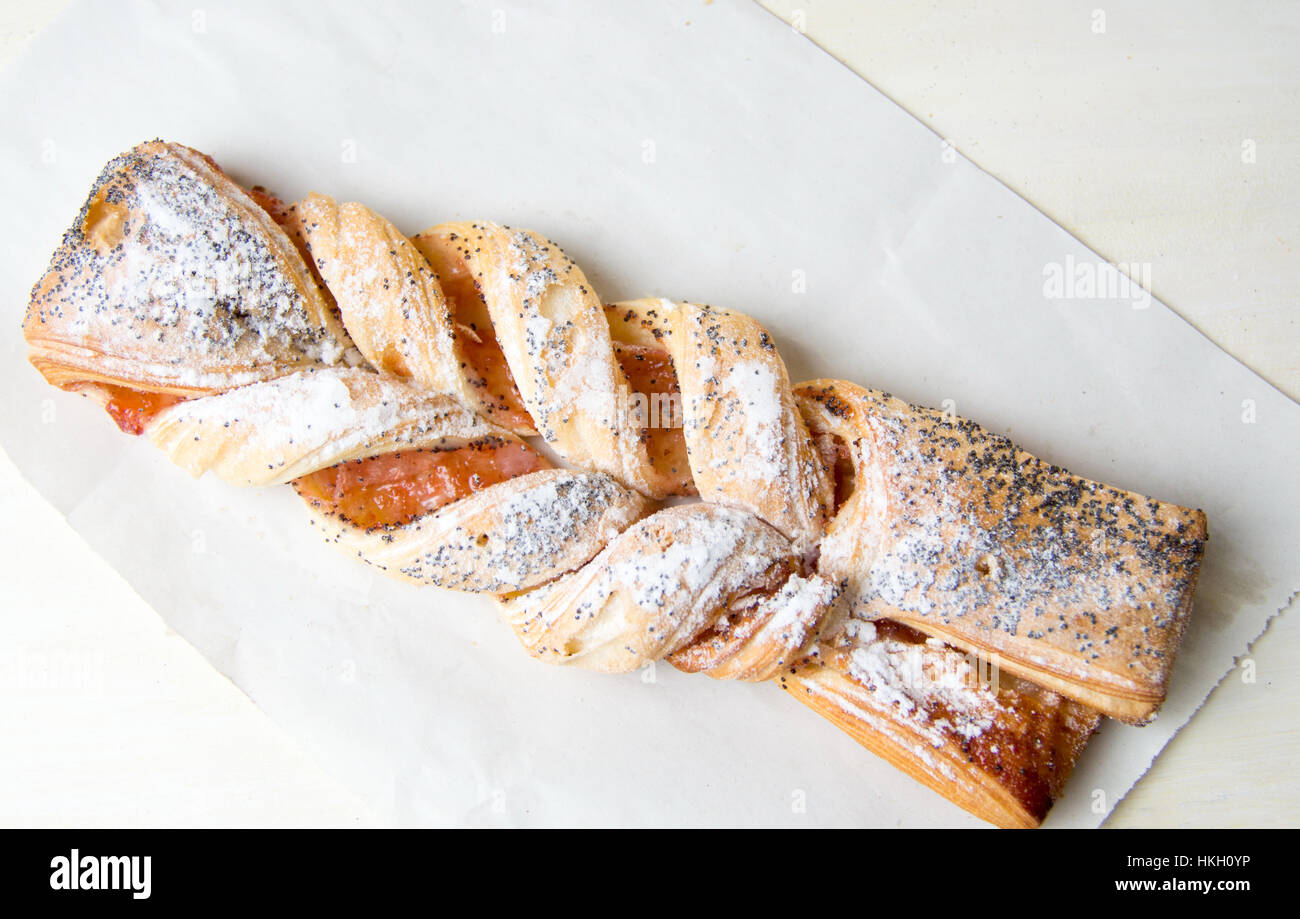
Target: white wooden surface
{"x": 1128, "y": 130}
{"x": 1133, "y": 137}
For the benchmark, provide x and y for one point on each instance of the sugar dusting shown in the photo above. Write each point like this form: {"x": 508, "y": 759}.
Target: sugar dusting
{"x": 280, "y": 429}
{"x": 755, "y": 386}
{"x": 918, "y": 679}
{"x": 194, "y": 273}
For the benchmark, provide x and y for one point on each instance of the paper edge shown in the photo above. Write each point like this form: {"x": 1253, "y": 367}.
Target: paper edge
{"x": 1291, "y": 600}
{"x": 41, "y": 38}
{"x": 1236, "y": 662}
{"x": 1064, "y": 229}
{"x": 207, "y": 664}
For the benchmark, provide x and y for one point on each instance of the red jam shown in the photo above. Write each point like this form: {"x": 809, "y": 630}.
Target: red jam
{"x": 395, "y": 488}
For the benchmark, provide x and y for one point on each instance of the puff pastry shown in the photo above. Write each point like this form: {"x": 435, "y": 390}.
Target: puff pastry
{"x": 961, "y": 608}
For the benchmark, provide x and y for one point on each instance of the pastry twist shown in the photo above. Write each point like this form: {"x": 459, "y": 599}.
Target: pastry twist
{"x": 459, "y": 409}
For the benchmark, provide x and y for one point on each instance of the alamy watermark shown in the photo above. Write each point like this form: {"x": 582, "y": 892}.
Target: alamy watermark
{"x": 650, "y": 410}
{"x": 1087, "y": 280}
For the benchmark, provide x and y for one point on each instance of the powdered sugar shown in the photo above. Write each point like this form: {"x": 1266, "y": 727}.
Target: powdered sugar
{"x": 711, "y": 551}
{"x": 652, "y": 590}
{"x": 277, "y": 430}
{"x": 192, "y": 265}
{"x": 795, "y": 609}
{"x": 755, "y": 386}
{"x": 921, "y": 681}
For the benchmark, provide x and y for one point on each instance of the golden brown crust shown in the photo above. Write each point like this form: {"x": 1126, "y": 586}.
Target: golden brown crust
{"x": 646, "y": 322}
{"x": 490, "y": 382}
{"x": 552, "y": 330}
{"x": 271, "y": 433}
{"x": 173, "y": 280}
{"x": 996, "y": 746}
{"x": 829, "y": 511}
{"x": 1078, "y": 586}
{"x": 389, "y": 296}
{"x": 509, "y": 537}
{"x": 710, "y": 588}
{"x": 748, "y": 444}
{"x": 744, "y": 439}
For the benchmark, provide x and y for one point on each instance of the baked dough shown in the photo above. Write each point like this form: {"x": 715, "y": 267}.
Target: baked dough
{"x": 386, "y": 292}
{"x": 831, "y": 524}
{"x": 173, "y": 280}
{"x": 1000, "y": 747}
{"x": 748, "y": 444}
{"x": 668, "y": 586}
{"x": 273, "y": 432}
{"x": 1080, "y": 587}
{"x": 513, "y": 536}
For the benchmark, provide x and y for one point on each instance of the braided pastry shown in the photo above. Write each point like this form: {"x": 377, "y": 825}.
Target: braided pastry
{"x": 632, "y": 482}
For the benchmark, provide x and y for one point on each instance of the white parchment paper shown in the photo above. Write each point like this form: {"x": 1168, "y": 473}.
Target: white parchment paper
{"x": 694, "y": 151}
